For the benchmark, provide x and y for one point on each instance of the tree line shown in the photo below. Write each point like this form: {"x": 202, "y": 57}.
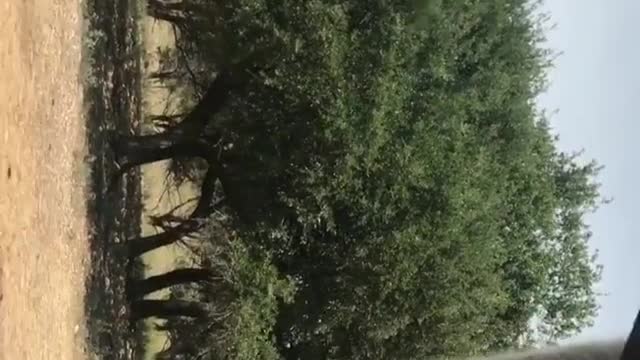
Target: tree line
{"x": 376, "y": 182}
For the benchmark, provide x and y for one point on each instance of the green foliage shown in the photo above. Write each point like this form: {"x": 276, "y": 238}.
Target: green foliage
{"x": 259, "y": 290}
{"x": 243, "y": 296}
{"x": 388, "y": 156}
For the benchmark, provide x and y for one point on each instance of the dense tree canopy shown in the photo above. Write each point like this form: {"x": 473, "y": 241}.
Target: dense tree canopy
{"x": 389, "y": 158}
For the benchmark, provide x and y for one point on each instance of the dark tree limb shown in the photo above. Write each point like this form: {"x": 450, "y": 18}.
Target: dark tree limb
{"x": 132, "y": 151}
{"x": 140, "y": 288}
{"x": 205, "y": 204}
{"x": 141, "y": 245}
{"x": 194, "y": 222}
{"x": 167, "y": 11}
{"x": 214, "y": 98}
{"x": 170, "y": 216}
{"x": 186, "y": 139}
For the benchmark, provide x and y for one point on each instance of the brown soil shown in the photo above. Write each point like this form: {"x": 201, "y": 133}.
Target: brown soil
{"x": 43, "y": 246}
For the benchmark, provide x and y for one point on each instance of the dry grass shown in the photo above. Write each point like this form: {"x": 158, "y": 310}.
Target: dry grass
{"x": 158, "y": 35}
{"x": 43, "y": 247}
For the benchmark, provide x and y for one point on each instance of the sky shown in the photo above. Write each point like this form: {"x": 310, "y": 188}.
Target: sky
{"x": 595, "y": 88}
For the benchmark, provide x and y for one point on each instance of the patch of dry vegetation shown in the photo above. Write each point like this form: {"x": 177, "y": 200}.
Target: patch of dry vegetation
{"x": 158, "y": 197}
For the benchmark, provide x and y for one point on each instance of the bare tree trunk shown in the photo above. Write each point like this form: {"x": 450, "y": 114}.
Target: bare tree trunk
{"x": 140, "y": 288}
{"x": 132, "y": 151}
{"x": 140, "y": 245}
{"x": 172, "y": 12}
{"x": 187, "y": 139}
{"x": 216, "y": 95}
{"x": 141, "y": 309}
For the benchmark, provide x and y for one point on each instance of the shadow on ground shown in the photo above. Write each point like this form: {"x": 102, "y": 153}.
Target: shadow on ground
{"x": 112, "y": 54}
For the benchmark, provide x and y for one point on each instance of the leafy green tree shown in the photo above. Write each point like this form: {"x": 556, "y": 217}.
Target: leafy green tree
{"x": 388, "y": 157}
{"x": 232, "y": 314}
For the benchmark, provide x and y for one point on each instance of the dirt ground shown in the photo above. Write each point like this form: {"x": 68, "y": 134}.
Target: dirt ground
{"x": 43, "y": 246}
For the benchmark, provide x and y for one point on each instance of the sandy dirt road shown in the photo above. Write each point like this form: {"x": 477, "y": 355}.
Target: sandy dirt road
{"x": 43, "y": 246}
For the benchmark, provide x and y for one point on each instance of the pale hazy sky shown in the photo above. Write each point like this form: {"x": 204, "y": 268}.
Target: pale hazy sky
{"x": 595, "y": 86}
